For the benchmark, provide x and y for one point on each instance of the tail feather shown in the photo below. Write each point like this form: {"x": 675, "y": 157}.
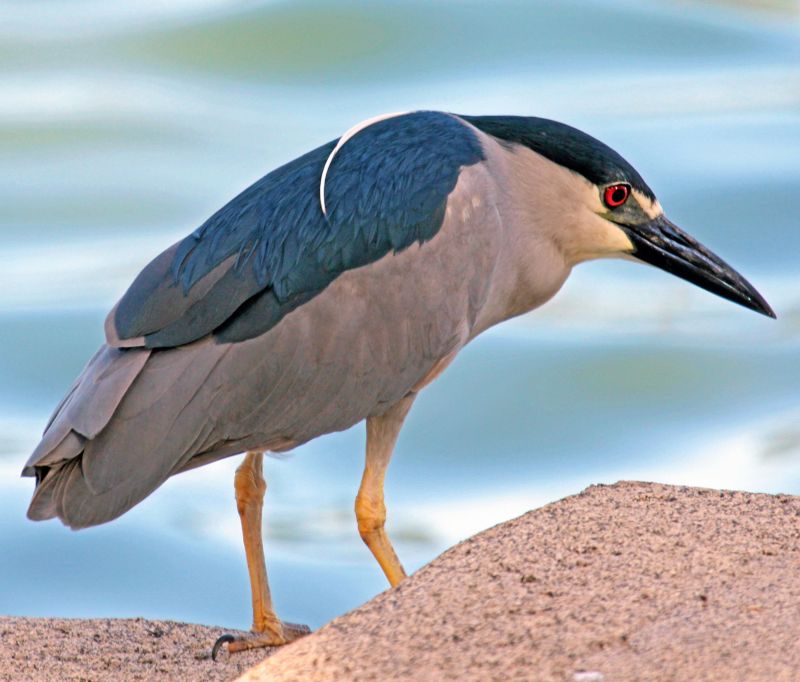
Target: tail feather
{"x": 147, "y": 436}
{"x": 89, "y": 404}
{"x": 133, "y": 418}
{"x": 70, "y": 446}
{"x": 44, "y": 504}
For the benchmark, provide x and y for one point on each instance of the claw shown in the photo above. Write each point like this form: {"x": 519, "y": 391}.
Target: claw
{"x": 224, "y": 639}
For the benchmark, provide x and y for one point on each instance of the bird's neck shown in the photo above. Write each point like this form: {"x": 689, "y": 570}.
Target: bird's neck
{"x": 531, "y": 263}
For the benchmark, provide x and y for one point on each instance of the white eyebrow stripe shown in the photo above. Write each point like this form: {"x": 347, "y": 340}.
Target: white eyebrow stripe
{"x": 357, "y": 128}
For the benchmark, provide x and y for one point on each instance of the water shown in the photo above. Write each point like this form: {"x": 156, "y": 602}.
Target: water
{"x": 124, "y": 125}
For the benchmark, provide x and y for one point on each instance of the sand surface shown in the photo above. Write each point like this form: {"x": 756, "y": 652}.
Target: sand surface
{"x": 55, "y": 649}
{"x": 627, "y": 582}
{"x": 634, "y": 581}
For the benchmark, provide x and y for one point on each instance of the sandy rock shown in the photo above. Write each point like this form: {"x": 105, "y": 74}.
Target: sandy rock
{"x": 634, "y": 581}
{"x": 56, "y": 649}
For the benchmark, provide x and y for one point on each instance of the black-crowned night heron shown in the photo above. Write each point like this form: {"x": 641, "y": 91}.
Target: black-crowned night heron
{"x": 333, "y": 290}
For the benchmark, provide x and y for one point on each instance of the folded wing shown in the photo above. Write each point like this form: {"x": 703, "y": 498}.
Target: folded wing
{"x": 271, "y": 248}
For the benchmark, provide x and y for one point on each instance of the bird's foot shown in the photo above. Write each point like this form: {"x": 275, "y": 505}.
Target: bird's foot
{"x": 275, "y": 635}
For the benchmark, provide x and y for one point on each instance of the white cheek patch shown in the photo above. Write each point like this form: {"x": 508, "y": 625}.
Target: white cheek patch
{"x": 601, "y": 239}
{"x": 616, "y": 240}
{"x": 604, "y": 239}
{"x": 357, "y": 128}
{"x": 595, "y": 237}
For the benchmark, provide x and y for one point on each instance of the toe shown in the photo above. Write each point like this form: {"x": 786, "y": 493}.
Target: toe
{"x": 277, "y": 636}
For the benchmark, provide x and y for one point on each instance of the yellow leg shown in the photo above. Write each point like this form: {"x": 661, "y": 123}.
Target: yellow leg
{"x": 268, "y": 628}
{"x": 382, "y": 432}
{"x": 250, "y": 489}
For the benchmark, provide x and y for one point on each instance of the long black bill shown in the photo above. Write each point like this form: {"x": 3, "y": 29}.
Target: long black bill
{"x": 666, "y": 246}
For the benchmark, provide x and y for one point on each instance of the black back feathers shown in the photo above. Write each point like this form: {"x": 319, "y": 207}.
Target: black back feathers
{"x": 271, "y": 248}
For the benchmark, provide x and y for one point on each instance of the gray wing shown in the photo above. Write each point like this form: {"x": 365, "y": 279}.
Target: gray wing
{"x": 214, "y": 370}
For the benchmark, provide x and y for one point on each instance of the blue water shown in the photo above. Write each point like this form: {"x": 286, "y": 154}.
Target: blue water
{"x": 124, "y": 125}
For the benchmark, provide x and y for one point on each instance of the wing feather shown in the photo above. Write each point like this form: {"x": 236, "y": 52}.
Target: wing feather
{"x": 387, "y": 188}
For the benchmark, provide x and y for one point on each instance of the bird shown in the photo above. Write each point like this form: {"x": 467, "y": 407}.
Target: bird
{"x": 331, "y": 292}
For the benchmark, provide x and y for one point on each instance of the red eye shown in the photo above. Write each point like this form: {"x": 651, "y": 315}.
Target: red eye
{"x": 616, "y": 195}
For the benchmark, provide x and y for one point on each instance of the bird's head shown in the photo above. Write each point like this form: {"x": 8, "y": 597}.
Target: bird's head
{"x": 647, "y": 235}
{"x": 612, "y": 210}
